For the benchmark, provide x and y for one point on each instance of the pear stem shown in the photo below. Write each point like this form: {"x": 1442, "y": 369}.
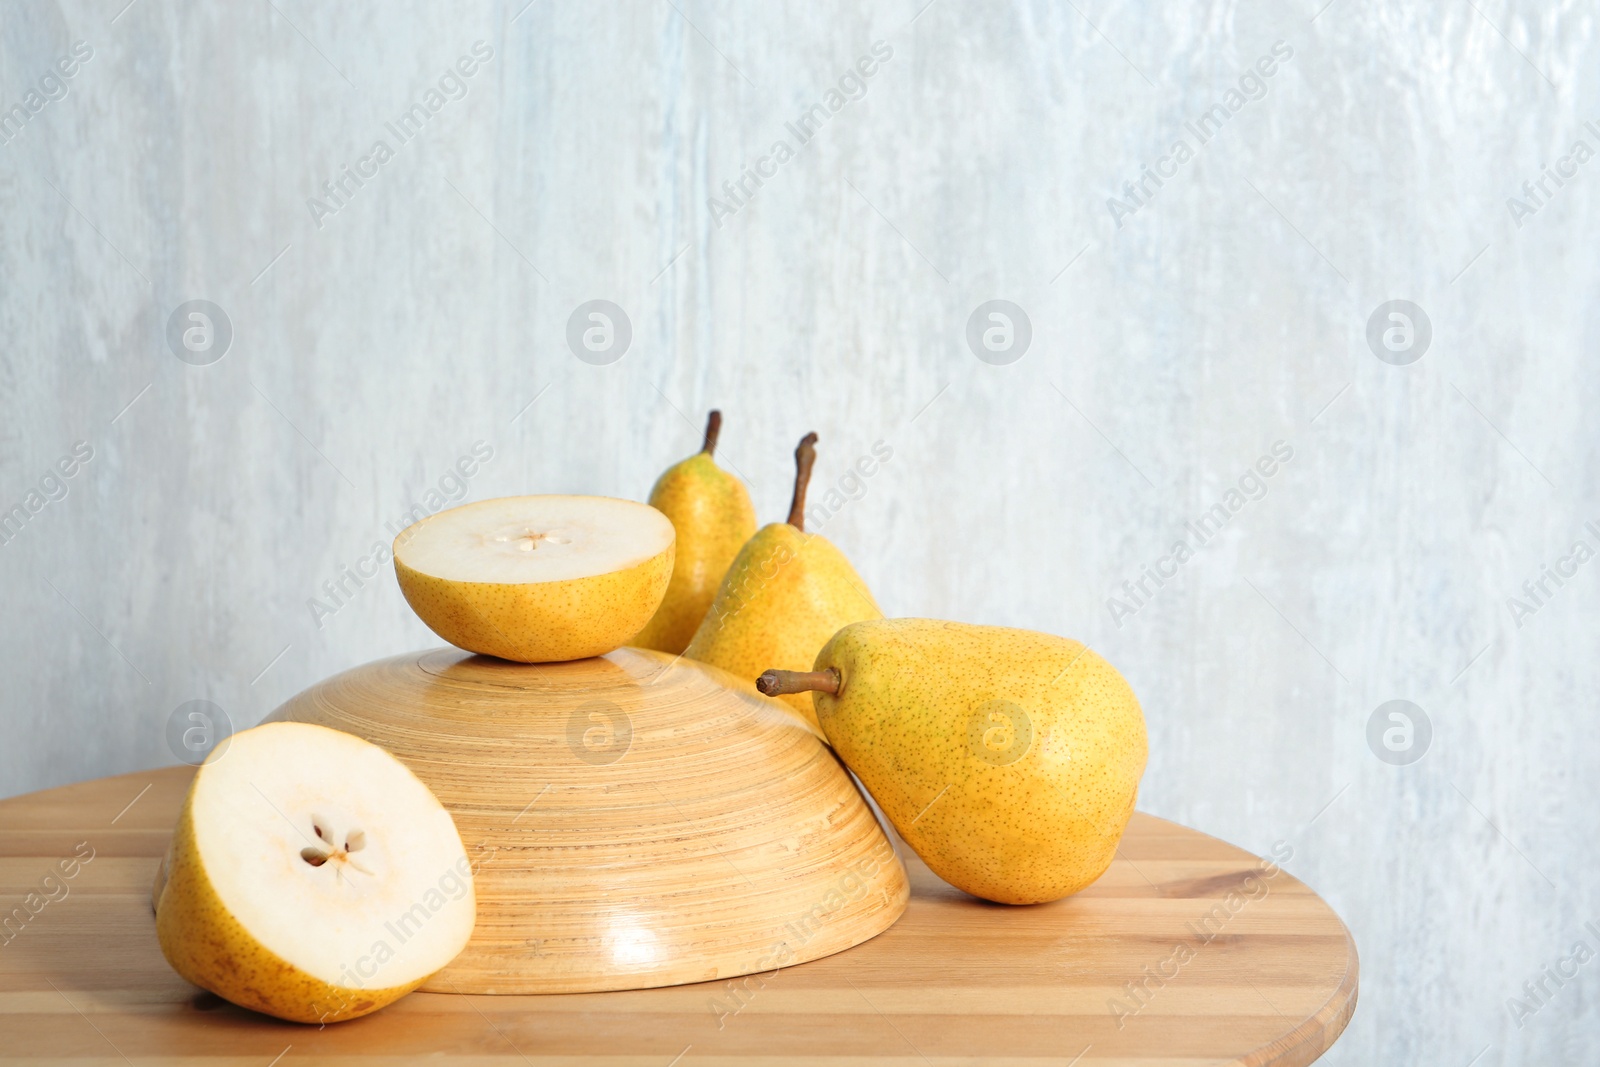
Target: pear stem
{"x": 804, "y": 456}
{"x": 713, "y": 430}
{"x": 779, "y": 683}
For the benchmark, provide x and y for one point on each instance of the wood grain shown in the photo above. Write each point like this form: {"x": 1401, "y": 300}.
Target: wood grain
{"x": 955, "y": 980}
{"x": 373, "y": 350}
{"x": 633, "y": 820}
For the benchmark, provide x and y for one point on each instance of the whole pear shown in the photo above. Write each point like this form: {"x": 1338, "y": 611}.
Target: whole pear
{"x": 712, "y": 514}
{"x": 1009, "y": 760}
{"x": 786, "y": 593}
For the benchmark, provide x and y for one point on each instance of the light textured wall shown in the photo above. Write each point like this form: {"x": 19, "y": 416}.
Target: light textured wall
{"x": 375, "y": 345}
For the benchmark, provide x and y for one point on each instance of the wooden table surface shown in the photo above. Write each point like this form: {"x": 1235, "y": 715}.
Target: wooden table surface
{"x": 1231, "y": 962}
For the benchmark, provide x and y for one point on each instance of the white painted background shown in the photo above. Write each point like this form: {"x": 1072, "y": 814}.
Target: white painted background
{"x": 1170, "y": 354}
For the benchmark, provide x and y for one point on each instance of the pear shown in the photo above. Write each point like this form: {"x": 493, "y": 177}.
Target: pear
{"x": 1009, "y": 760}
{"x": 713, "y": 516}
{"x": 537, "y": 579}
{"x": 786, "y": 593}
{"x": 312, "y": 876}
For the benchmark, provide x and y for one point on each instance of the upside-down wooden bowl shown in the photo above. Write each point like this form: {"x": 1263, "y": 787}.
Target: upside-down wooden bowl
{"x": 633, "y": 820}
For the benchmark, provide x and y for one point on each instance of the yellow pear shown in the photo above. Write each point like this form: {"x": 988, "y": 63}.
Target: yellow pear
{"x": 1008, "y": 759}
{"x": 537, "y": 579}
{"x": 786, "y": 593}
{"x": 311, "y": 876}
{"x": 712, "y": 513}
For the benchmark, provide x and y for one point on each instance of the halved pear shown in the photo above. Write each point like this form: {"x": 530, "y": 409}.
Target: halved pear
{"x": 537, "y": 579}
{"x": 312, "y": 876}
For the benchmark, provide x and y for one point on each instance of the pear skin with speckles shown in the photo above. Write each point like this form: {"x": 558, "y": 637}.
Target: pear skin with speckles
{"x": 786, "y": 593}
{"x": 1009, "y": 760}
{"x": 712, "y": 514}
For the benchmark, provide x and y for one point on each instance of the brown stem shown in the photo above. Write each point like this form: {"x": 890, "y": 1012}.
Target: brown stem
{"x": 804, "y": 456}
{"x": 777, "y": 683}
{"x": 713, "y": 429}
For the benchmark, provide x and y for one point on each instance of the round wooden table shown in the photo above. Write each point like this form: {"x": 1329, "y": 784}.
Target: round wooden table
{"x": 1187, "y": 951}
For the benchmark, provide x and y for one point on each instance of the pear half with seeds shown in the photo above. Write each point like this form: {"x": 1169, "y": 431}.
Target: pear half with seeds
{"x": 312, "y": 877}
{"x": 537, "y": 579}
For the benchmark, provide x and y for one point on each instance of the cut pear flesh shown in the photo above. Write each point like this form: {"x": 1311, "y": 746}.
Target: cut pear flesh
{"x": 537, "y": 579}
{"x": 312, "y": 876}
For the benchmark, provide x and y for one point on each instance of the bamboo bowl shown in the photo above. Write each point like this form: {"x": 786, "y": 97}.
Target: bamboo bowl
{"x": 633, "y": 820}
